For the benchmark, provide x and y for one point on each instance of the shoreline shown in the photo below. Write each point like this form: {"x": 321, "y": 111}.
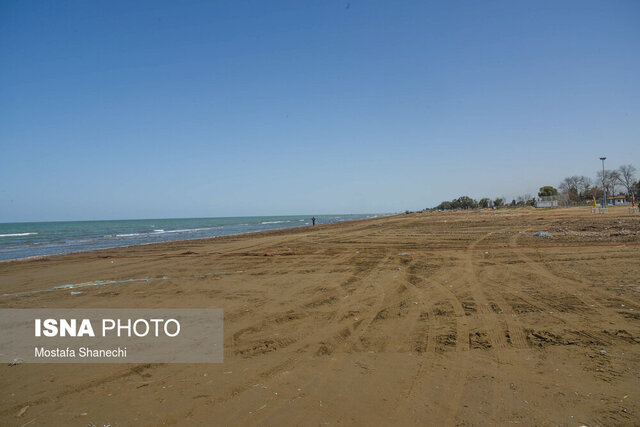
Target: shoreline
{"x": 195, "y": 239}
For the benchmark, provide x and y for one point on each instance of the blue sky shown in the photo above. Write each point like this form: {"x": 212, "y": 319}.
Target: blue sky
{"x": 185, "y": 109}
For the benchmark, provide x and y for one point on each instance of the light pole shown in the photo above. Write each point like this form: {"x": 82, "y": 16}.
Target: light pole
{"x": 604, "y": 189}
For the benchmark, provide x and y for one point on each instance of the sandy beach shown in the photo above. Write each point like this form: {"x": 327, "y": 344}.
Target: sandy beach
{"x": 455, "y": 318}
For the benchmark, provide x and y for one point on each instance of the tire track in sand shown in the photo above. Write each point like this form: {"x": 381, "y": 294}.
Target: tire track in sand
{"x": 496, "y": 307}
{"x": 428, "y": 324}
{"x": 337, "y": 338}
{"x": 488, "y": 317}
{"x": 579, "y": 289}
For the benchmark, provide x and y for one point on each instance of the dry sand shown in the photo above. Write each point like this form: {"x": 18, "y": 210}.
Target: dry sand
{"x": 430, "y": 319}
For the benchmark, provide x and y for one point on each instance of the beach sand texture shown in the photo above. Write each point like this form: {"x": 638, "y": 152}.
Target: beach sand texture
{"x": 461, "y": 318}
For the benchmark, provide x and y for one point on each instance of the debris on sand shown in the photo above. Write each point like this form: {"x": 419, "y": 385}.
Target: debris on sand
{"x": 403, "y": 253}
{"x": 22, "y": 411}
{"x": 543, "y": 234}
{"x": 15, "y": 362}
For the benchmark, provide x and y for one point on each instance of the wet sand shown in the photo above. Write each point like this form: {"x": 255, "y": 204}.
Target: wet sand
{"x": 434, "y": 319}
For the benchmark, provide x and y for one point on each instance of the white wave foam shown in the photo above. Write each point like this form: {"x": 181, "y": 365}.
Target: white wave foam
{"x": 17, "y": 234}
{"x": 273, "y": 222}
{"x": 186, "y": 230}
{"x": 161, "y": 231}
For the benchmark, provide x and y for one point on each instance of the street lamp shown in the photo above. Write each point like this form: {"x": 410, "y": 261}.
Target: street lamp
{"x": 604, "y": 189}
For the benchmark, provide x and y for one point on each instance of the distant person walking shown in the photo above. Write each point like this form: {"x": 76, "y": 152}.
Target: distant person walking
{"x": 313, "y": 220}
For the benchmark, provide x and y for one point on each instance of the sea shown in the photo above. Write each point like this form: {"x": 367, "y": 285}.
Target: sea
{"x": 31, "y": 239}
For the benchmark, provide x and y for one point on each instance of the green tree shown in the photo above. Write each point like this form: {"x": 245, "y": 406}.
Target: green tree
{"x": 525, "y": 200}
{"x": 484, "y": 202}
{"x": 497, "y": 203}
{"x": 547, "y": 190}
{"x": 464, "y": 202}
{"x": 445, "y": 206}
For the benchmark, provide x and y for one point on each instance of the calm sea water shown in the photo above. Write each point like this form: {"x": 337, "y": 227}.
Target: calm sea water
{"x": 27, "y": 239}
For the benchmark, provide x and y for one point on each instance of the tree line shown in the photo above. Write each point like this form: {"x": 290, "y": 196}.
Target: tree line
{"x": 573, "y": 188}
{"x": 466, "y": 202}
{"x": 621, "y": 181}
